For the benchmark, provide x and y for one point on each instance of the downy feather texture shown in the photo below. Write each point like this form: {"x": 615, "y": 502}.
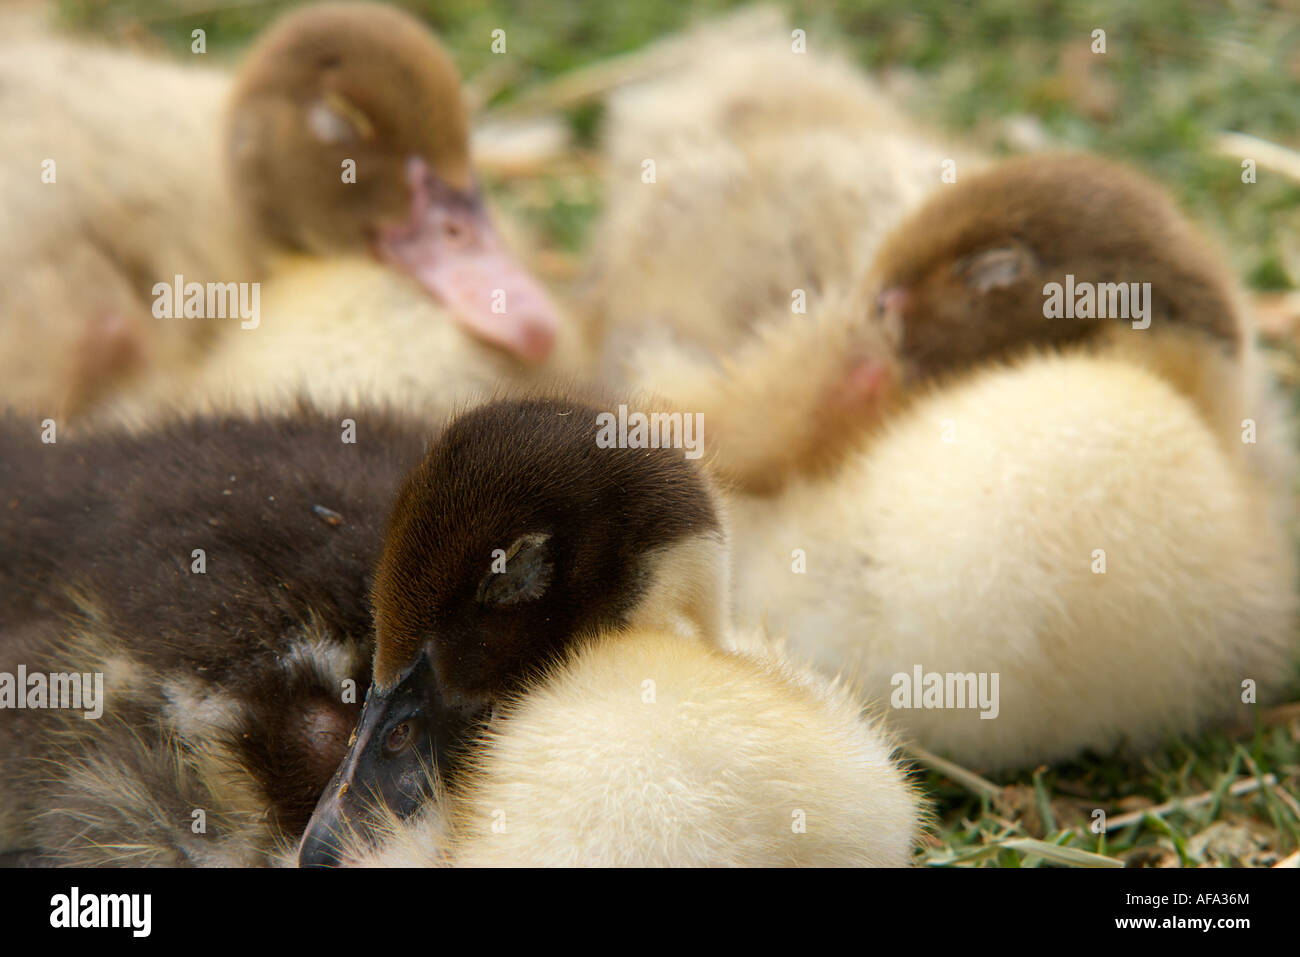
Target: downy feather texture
{"x": 215, "y": 572}
{"x": 968, "y": 278}
{"x": 620, "y": 542}
{"x": 793, "y": 399}
{"x": 970, "y": 537}
{"x": 773, "y": 172}
{"x": 642, "y": 749}
{"x": 345, "y": 331}
{"x": 92, "y": 216}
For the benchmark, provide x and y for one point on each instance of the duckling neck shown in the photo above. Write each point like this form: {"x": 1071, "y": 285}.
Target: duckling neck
{"x": 688, "y": 595}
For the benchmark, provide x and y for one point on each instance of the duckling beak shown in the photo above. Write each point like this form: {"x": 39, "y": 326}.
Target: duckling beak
{"x": 450, "y": 247}
{"x": 405, "y": 737}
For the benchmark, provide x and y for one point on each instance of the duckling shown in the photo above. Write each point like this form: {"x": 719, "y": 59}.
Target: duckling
{"x": 318, "y": 335}
{"x": 533, "y": 580}
{"x": 344, "y": 134}
{"x": 89, "y": 223}
{"x": 214, "y": 572}
{"x": 340, "y": 88}
{"x": 641, "y": 749}
{"x": 774, "y": 172}
{"x": 1066, "y": 525}
{"x": 522, "y": 530}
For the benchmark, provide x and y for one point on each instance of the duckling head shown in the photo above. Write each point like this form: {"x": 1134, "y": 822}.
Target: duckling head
{"x": 966, "y": 277}
{"x": 347, "y": 132}
{"x": 520, "y": 534}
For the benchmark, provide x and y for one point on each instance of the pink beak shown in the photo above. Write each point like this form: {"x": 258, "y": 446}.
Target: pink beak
{"x": 450, "y": 247}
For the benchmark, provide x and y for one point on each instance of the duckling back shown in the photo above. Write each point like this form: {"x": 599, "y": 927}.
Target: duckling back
{"x": 1237, "y": 397}
{"x": 214, "y": 573}
{"x": 95, "y": 214}
{"x": 1068, "y": 524}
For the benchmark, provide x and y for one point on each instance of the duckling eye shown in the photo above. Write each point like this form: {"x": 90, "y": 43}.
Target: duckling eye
{"x": 995, "y": 268}
{"x": 400, "y": 737}
{"x": 521, "y": 572}
{"x": 334, "y": 120}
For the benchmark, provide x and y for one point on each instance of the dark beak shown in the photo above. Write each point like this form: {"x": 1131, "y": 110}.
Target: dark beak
{"x": 406, "y": 737}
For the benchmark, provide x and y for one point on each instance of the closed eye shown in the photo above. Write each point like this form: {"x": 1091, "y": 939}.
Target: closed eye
{"x": 522, "y": 573}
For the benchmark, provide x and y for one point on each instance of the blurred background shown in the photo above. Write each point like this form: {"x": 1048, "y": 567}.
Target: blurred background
{"x": 1009, "y": 75}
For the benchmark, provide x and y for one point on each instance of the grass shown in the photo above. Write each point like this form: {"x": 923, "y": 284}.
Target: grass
{"x": 1175, "y": 73}
{"x": 1211, "y": 821}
